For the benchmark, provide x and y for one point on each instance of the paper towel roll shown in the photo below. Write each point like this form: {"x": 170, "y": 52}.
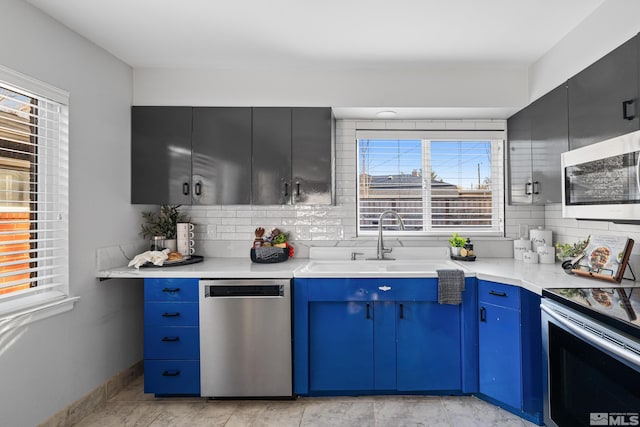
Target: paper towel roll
{"x": 520, "y": 246}
{"x": 540, "y": 237}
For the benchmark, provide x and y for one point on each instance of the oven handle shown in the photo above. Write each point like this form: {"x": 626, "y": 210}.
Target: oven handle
{"x": 637, "y": 174}
{"x": 591, "y": 339}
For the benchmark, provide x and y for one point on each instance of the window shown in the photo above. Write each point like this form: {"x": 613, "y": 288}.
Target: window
{"x": 33, "y": 193}
{"x": 437, "y": 183}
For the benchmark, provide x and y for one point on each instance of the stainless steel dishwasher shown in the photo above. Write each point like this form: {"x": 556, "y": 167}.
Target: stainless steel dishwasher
{"x": 245, "y": 338}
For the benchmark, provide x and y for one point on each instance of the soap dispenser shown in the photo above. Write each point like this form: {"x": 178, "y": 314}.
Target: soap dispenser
{"x": 467, "y": 249}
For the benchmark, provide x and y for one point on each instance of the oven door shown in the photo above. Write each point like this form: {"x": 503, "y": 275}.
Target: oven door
{"x": 592, "y": 372}
{"x": 602, "y": 181}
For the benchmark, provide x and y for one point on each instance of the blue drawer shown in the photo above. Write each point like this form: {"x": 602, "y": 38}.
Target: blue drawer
{"x": 162, "y": 342}
{"x": 171, "y": 290}
{"x": 499, "y": 294}
{"x": 169, "y": 377}
{"x": 171, "y": 314}
{"x": 361, "y": 289}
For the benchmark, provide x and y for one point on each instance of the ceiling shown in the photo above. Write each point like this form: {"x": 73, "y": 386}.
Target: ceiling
{"x": 332, "y": 34}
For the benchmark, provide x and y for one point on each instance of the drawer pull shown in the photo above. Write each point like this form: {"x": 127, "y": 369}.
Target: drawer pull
{"x": 402, "y": 311}
{"x": 171, "y": 290}
{"x": 483, "y": 314}
{"x": 170, "y": 339}
{"x": 176, "y": 314}
{"x": 368, "y": 311}
{"x": 171, "y": 373}
{"x": 498, "y": 294}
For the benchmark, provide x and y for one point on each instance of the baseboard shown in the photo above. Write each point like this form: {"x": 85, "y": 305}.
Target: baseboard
{"x": 93, "y": 400}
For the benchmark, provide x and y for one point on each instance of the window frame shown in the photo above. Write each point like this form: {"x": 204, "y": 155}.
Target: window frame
{"x": 22, "y": 307}
{"x": 497, "y": 138}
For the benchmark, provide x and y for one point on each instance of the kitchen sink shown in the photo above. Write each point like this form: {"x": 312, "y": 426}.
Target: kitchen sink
{"x": 374, "y": 268}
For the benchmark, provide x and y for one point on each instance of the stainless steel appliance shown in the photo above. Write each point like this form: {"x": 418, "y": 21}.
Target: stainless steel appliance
{"x": 245, "y": 338}
{"x": 602, "y": 180}
{"x": 591, "y": 340}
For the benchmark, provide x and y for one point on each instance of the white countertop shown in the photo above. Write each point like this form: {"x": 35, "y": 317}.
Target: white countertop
{"x": 533, "y": 277}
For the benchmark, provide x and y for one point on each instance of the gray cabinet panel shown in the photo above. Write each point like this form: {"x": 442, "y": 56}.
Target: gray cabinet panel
{"x": 519, "y": 155}
{"x": 596, "y": 97}
{"x": 221, "y": 155}
{"x": 549, "y": 139}
{"x": 271, "y": 180}
{"x": 160, "y": 155}
{"x": 311, "y": 155}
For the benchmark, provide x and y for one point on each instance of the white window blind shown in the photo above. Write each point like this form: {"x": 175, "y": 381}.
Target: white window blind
{"x": 34, "y": 175}
{"x": 436, "y": 185}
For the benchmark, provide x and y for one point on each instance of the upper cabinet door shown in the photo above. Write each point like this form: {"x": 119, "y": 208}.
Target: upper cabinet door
{"x": 271, "y": 180}
{"x": 221, "y": 155}
{"x": 549, "y": 139}
{"x": 161, "y": 155}
{"x": 311, "y": 155}
{"x": 602, "y": 95}
{"x": 519, "y": 153}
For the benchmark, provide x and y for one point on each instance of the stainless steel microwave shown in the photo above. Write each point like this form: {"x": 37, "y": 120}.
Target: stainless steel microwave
{"x": 602, "y": 180}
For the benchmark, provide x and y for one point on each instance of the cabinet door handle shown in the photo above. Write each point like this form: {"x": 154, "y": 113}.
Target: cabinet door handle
{"x": 627, "y": 112}
{"x": 297, "y": 189}
{"x": 176, "y": 314}
{"x": 526, "y": 188}
{"x": 402, "y": 311}
{"x": 185, "y": 188}
{"x": 286, "y": 189}
{"x": 171, "y": 373}
{"x": 535, "y": 187}
{"x": 170, "y": 339}
{"x": 483, "y": 314}
{"x": 368, "y": 311}
{"x": 198, "y": 188}
{"x": 498, "y": 294}
{"x": 171, "y": 290}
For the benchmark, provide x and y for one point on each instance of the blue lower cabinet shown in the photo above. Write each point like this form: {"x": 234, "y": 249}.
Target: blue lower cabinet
{"x": 500, "y": 354}
{"x": 510, "y": 349}
{"x": 172, "y": 377}
{"x": 374, "y": 342}
{"x": 341, "y": 346}
{"x": 171, "y": 337}
{"x": 428, "y": 347}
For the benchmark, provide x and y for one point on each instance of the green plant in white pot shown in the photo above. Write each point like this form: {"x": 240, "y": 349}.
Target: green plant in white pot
{"x": 456, "y": 243}
{"x": 163, "y": 223}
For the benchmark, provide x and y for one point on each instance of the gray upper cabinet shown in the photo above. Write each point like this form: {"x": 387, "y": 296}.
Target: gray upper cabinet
{"x": 161, "y": 155}
{"x": 271, "y": 181}
{"x": 221, "y": 155}
{"x": 603, "y": 97}
{"x": 311, "y": 155}
{"x": 537, "y": 135}
{"x": 519, "y": 154}
{"x": 292, "y": 155}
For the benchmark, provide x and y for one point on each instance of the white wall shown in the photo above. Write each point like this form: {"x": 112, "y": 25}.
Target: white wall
{"x": 53, "y": 362}
{"x": 610, "y": 25}
{"x": 461, "y": 86}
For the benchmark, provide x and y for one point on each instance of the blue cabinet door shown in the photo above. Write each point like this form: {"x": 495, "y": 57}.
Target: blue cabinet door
{"x": 428, "y": 347}
{"x": 500, "y": 356}
{"x": 340, "y": 346}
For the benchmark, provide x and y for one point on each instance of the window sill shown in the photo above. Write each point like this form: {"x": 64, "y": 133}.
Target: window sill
{"x": 21, "y": 312}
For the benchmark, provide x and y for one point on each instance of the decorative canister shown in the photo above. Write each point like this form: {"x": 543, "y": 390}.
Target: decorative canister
{"x": 530, "y": 257}
{"x": 546, "y": 254}
{"x": 540, "y": 237}
{"x": 520, "y": 246}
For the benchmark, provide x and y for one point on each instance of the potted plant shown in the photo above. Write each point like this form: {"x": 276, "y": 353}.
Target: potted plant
{"x": 163, "y": 223}
{"x": 457, "y": 243}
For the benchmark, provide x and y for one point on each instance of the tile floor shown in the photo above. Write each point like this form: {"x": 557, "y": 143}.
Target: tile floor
{"x": 131, "y": 407}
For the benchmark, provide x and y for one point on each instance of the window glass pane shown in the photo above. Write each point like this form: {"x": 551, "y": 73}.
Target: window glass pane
{"x": 390, "y": 177}
{"x": 17, "y": 187}
{"x": 461, "y": 191}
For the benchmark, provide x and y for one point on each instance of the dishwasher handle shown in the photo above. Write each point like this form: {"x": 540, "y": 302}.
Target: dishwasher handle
{"x": 240, "y": 291}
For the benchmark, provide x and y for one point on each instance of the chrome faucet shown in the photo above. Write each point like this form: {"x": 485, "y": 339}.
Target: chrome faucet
{"x": 381, "y": 249}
